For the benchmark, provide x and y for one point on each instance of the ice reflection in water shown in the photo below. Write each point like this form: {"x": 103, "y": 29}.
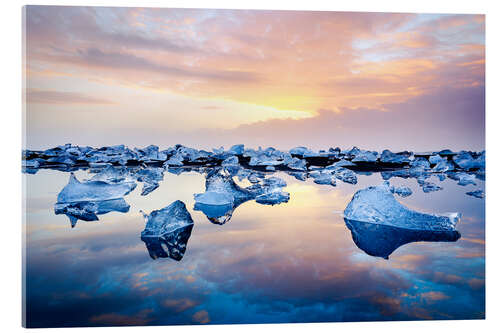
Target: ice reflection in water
{"x": 294, "y": 261}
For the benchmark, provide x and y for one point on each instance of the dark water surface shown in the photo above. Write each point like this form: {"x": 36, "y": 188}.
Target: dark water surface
{"x": 293, "y": 262}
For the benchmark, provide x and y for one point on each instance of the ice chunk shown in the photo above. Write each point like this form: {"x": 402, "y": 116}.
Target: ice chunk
{"x": 381, "y": 240}
{"x": 93, "y": 190}
{"x": 402, "y": 191}
{"x": 222, "y": 195}
{"x": 151, "y": 177}
{"x": 88, "y": 210}
{"x": 323, "y": 177}
{"x": 467, "y": 162}
{"x": 389, "y": 157}
{"x": 165, "y": 220}
{"x": 365, "y": 156}
{"x": 270, "y": 192}
{"x": 221, "y": 189}
{"x": 230, "y": 161}
{"x": 113, "y": 175}
{"x": 297, "y": 164}
{"x": 376, "y": 204}
{"x": 465, "y": 179}
{"x": 430, "y": 187}
{"x": 478, "y": 194}
{"x": 237, "y": 149}
{"x": 302, "y": 151}
{"x": 339, "y": 164}
{"x": 167, "y": 231}
{"x": 443, "y": 165}
{"x": 175, "y": 160}
{"x": 346, "y": 175}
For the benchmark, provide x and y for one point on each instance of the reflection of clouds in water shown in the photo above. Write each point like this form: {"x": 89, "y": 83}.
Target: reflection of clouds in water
{"x": 285, "y": 263}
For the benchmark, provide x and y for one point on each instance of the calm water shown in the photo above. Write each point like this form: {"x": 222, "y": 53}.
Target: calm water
{"x": 293, "y": 262}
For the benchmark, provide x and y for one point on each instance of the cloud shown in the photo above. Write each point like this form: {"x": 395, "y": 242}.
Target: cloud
{"x": 201, "y": 317}
{"x": 446, "y": 117}
{"x": 62, "y": 97}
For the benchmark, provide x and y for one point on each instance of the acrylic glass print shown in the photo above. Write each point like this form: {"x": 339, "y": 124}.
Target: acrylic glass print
{"x": 202, "y": 166}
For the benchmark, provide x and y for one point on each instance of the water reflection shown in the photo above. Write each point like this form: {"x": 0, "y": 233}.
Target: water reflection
{"x": 291, "y": 262}
{"x": 88, "y": 210}
{"x": 170, "y": 245}
{"x": 380, "y": 240}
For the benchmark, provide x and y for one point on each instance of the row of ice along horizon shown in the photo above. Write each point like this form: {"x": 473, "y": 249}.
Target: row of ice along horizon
{"x": 378, "y": 222}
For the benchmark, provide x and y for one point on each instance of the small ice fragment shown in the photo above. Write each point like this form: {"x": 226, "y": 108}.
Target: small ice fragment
{"x": 346, "y": 175}
{"x": 478, "y": 194}
{"x": 237, "y": 149}
{"x": 230, "y": 161}
{"x": 323, "y": 178}
{"x": 389, "y": 157}
{"x": 465, "y": 179}
{"x": 430, "y": 187}
{"x": 270, "y": 168}
{"x": 435, "y": 159}
{"x": 297, "y": 164}
{"x": 175, "y": 160}
{"x": 365, "y": 156}
{"x": 467, "y": 162}
{"x": 402, "y": 191}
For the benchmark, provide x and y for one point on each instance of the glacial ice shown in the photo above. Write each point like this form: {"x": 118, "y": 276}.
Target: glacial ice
{"x": 89, "y": 210}
{"x": 380, "y": 240}
{"x": 93, "y": 190}
{"x": 402, "y": 191}
{"x": 237, "y": 149}
{"x": 376, "y": 204}
{"x": 467, "y": 162}
{"x": 167, "y": 231}
{"x": 346, "y": 175}
{"x": 365, "y": 156}
{"x": 430, "y": 187}
{"x": 165, "y": 220}
{"x": 117, "y": 164}
{"x": 396, "y": 158}
{"x": 478, "y": 194}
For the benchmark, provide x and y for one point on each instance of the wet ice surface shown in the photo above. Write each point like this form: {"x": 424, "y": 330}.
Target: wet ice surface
{"x": 237, "y": 243}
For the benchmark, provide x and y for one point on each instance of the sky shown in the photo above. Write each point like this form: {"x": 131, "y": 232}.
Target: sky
{"x": 207, "y": 78}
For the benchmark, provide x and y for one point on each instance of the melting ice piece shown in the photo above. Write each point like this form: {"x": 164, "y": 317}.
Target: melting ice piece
{"x": 389, "y": 157}
{"x": 443, "y": 165}
{"x": 151, "y": 178}
{"x": 88, "y": 210}
{"x": 465, "y": 179}
{"x": 112, "y": 175}
{"x": 167, "y": 231}
{"x": 270, "y": 192}
{"x": 381, "y": 240}
{"x": 93, "y": 190}
{"x": 222, "y": 195}
{"x": 324, "y": 177}
{"x": 237, "y": 149}
{"x": 376, "y": 204}
{"x": 430, "y": 187}
{"x": 478, "y": 194}
{"x": 467, "y": 162}
{"x": 346, "y": 175}
{"x": 230, "y": 161}
{"x": 297, "y": 164}
{"x": 402, "y": 191}
{"x": 365, "y": 156}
